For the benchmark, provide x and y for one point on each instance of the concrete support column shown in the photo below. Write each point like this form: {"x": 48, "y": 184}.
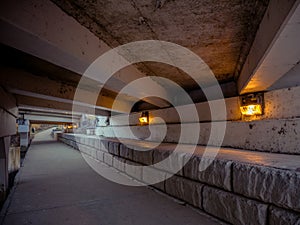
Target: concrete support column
{"x": 23, "y": 130}
{"x": 8, "y": 115}
{"x": 4, "y": 151}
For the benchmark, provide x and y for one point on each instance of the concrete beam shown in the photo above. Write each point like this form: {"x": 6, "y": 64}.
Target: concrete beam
{"x": 23, "y": 83}
{"x": 51, "y": 119}
{"x": 229, "y": 90}
{"x": 275, "y": 50}
{"x": 40, "y": 103}
{"x": 58, "y": 38}
{"x": 290, "y": 79}
{"x": 49, "y": 116}
{"x": 40, "y": 112}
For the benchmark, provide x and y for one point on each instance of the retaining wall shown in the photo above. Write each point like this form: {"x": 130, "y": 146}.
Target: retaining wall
{"x": 239, "y": 187}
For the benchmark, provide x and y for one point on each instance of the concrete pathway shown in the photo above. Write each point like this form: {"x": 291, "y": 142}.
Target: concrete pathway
{"x": 56, "y": 186}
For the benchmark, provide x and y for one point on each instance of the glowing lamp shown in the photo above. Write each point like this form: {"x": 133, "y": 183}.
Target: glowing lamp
{"x": 251, "y": 110}
{"x": 144, "y": 118}
{"x": 252, "y": 104}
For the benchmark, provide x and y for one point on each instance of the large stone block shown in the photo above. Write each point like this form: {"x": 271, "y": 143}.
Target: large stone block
{"x": 84, "y": 140}
{"x": 108, "y": 159}
{"x": 143, "y": 156}
{"x": 90, "y": 141}
{"x": 135, "y": 170}
{"x": 89, "y": 151}
{"x": 279, "y": 216}
{"x": 119, "y": 163}
{"x": 76, "y": 145}
{"x": 104, "y": 145}
{"x": 169, "y": 161}
{"x": 71, "y": 137}
{"x": 218, "y": 173}
{"x": 184, "y": 189}
{"x": 80, "y": 147}
{"x": 126, "y": 152}
{"x": 66, "y": 141}
{"x": 83, "y": 148}
{"x": 93, "y": 153}
{"x": 66, "y": 136}
{"x": 154, "y": 177}
{"x": 72, "y": 143}
{"x": 100, "y": 155}
{"x": 277, "y": 186}
{"x": 97, "y": 144}
{"x": 81, "y": 139}
{"x": 233, "y": 208}
{"x": 114, "y": 148}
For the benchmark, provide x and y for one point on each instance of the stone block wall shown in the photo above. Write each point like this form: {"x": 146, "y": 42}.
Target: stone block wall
{"x": 231, "y": 190}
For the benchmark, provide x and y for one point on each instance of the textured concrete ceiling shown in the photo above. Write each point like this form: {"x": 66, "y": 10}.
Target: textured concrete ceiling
{"x": 219, "y": 31}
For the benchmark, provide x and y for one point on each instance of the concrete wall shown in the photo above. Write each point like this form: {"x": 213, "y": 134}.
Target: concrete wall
{"x": 275, "y": 131}
{"x": 8, "y": 114}
{"x": 14, "y": 159}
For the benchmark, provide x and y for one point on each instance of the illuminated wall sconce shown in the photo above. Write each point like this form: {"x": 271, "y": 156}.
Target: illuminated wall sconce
{"x": 144, "y": 118}
{"x": 250, "y": 110}
{"x": 252, "y": 104}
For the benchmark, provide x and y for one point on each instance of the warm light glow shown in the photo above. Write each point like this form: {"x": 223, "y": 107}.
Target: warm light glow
{"x": 250, "y": 110}
{"x": 70, "y": 127}
{"x": 144, "y": 118}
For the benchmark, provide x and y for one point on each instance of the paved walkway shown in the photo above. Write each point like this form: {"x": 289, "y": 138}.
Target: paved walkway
{"x": 56, "y": 186}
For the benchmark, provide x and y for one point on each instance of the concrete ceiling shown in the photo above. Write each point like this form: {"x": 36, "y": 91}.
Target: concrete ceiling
{"x": 220, "y": 32}
{"x": 47, "y": 45}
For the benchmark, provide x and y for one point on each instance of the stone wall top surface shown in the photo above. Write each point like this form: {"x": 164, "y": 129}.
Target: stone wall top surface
{"x": 275, "y": 160}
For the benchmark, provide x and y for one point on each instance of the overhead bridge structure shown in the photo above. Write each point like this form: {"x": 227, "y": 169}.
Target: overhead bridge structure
{"x": 230, "y": 124}
{"x": 39, "y": 116}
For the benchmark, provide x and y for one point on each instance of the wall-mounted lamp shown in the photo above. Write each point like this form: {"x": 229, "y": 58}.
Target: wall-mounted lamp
{"x": 250, "y": 110}
{"x": 144, "y": 118}
{"x": 252, "y": 104}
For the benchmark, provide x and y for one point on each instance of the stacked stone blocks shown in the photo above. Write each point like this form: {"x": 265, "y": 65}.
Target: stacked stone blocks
{"x": 233, "y": 191}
